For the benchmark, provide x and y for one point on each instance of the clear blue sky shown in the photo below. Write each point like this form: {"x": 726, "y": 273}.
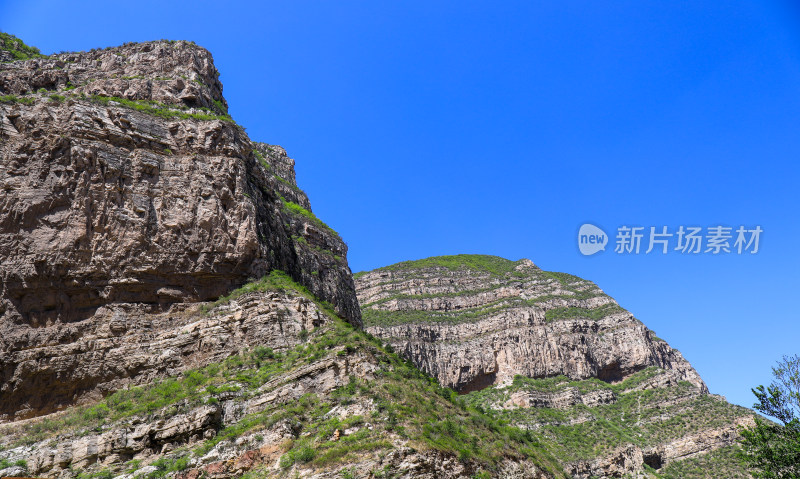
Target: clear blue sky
{"x": 430, "y": 128}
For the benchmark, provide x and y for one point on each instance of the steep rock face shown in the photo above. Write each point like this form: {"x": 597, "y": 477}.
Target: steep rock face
{"x": 474, "y": 321}
{"x": 123, "y": 181}
{"x": 315, "y": 398}
{"x": 551, "y": 353}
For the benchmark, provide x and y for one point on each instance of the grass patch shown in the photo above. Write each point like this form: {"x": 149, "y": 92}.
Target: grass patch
{"x": 572, "y": 312}
{"x": 158, "y": 109}
{"x": 723, "y": 462}
{"x": 493, "y": 265}
{"x": 298, "y": 210}
{"x": 16, "y": 99}
{"x": 276, "y": 280}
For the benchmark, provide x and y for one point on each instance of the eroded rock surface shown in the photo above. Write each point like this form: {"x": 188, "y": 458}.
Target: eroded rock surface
{"x": 299, "y": 379}
{"x": 551, "y": 353}
{"x": 124, "y": 182}
{"x": 482, "y": 321}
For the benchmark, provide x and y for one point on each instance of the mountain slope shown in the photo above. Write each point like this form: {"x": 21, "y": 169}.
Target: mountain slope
{"x": 552, "y": 353}
{"x": 306, "y": 395}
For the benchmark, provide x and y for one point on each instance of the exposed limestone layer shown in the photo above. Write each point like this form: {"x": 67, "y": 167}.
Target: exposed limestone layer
{"x": 551, "y": 353}
{"x": 104, "y": 204}
{"x": 313, "y": 399}
{"x": 473, "y": 321}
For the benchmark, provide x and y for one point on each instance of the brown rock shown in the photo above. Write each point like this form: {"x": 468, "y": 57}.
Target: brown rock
{"x": 108, "y": 214}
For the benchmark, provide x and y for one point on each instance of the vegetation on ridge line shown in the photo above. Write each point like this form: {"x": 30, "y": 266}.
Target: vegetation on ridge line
{"x": 17, "y": 48}
{"x": 494, "y": 265}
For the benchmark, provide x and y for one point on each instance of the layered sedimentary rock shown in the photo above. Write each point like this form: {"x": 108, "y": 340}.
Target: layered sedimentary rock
{"x": 315, "y": 398}
{"x": 551, "y": 353}
{"x": 123, "y": 181}
{"x": 474, "y": 321}
{"x": 652, "y": 419}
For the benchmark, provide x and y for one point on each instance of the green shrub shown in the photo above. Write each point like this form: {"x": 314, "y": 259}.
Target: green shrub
{"x": 17, "y": 48}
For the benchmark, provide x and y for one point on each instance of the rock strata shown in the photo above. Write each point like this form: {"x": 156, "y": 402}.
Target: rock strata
{"x": 552, "y": 353}
{"x": 125, "y": 188}
{"x": 483, "y": 321}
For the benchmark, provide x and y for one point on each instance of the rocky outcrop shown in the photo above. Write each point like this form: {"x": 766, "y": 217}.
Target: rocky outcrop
{"x": 632, "y": 459}
{"x": 475, "y": 321}
{"x": 129, "y": 344}
{"x": 311, "y": 380}
{"x": 125, "y": 188}
{"x": 558, "y": 400}
{"x": 551, "y": 353}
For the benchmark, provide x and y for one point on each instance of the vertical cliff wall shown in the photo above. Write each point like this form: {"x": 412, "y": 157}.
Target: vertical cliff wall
{"x": 124, "y": 181}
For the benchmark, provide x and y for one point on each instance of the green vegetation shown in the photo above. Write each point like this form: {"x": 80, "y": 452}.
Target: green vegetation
{"x": 158, "y": 109}
{"x": 276, "y": 280}
{"x": 570, "y": 312}
{"x": 564, "y": 278}
{"x": 5, "y": 463}
{"x": 493, "y": 265}
{"x": 298, "y": 210}
{"x": 723, "y": 462}
{"x": 17, "y": 47}
{"x": 219, "y": 107}
{"x": 642, "y": 417}
{"x": 773, "y": 449}
{"x": 262, "y": 160}
{"x": 16, "y": 99}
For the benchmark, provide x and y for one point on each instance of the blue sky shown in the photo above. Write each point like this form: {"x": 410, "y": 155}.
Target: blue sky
{"x": 430, "y": 128}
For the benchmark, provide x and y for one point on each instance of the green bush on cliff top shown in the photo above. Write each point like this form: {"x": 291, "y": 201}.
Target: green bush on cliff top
{"x": 17, "y": 47}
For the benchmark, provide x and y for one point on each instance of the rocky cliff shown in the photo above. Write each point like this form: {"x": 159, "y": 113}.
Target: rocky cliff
{"x": 550, "y": 352}
{"x": 305, "y": 395}
{"x": 474, "y": 321}
{"x": 125, "y": 188}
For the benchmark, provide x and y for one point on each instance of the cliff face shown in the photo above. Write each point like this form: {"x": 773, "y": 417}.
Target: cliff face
{"x": 315, "y": 398}
{"x": 125, "y": 186}
{"x": 475, "y": 321}
{"x": 551, "y": 353}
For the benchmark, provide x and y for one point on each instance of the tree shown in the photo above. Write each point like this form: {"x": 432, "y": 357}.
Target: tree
{"x": 772, "y": 449}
